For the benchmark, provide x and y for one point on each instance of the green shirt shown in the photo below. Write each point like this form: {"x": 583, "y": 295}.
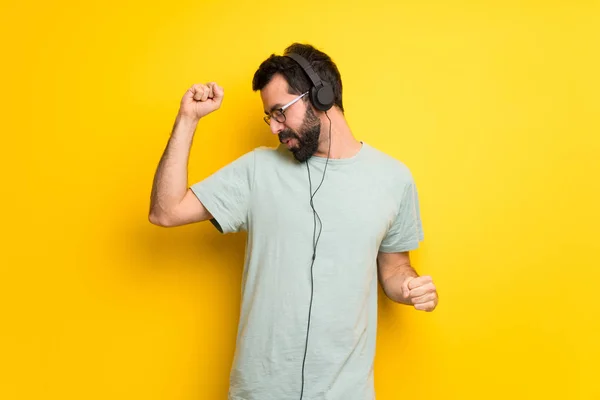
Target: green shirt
{"x": 366, "y": 204}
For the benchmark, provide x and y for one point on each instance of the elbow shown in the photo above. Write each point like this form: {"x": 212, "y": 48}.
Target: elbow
{"x": 159, "y": 219}
{"x": 155, "y": 219}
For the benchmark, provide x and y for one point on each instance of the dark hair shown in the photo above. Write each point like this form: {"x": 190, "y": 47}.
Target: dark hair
{"x": 295, "y": 76}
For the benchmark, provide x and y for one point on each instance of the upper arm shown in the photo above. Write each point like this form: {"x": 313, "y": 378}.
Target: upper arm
{"x": 389, "y": 264}
{"x": 223, "y": 197}
{"x": 188, "y": 211}
{"x": 227, "y": 194}
{"x": 406, "y": 229}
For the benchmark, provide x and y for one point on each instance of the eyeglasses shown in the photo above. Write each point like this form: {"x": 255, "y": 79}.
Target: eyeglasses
{"x": 278, "y": 114}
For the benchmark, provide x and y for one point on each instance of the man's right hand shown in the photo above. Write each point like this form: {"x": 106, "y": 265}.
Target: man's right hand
{"x": 200, "y": 100}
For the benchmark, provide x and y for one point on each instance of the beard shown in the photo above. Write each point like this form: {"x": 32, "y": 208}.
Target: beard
{"x": 307, "y": 137}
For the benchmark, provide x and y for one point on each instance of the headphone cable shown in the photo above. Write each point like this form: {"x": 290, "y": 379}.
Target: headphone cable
{"x": 315, "y": 243}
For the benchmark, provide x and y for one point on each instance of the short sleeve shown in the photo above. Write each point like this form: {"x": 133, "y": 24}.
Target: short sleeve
{"x": 407, "y": 229}
{"x": 226, "y": 194}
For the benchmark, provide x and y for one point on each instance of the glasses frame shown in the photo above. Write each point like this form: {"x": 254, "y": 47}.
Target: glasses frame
{"x": 267, "y": 118}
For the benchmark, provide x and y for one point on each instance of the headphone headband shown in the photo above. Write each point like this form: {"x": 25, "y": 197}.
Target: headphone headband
{"x": 312, "y": 75}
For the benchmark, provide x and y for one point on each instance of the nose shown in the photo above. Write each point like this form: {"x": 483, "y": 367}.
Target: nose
{"x": 276, "y": 127}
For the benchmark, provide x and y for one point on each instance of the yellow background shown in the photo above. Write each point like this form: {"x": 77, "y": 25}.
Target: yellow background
{"x": 494, "y": 107}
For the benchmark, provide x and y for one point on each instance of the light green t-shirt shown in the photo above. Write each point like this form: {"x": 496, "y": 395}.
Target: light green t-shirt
{"x": 366, "y": 204}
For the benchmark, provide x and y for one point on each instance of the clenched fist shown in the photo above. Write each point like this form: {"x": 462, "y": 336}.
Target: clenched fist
{"x": 200, "y": 100}
{"x": 420, "y": 292}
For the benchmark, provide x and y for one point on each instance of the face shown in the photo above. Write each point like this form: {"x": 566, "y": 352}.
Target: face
{"x": 301, "y": 130}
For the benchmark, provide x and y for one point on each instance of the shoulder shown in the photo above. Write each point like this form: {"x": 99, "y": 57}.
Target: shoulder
{"x": 274, "y": 155}
{"x": 256, "y": 155}
{"x": 393, "y": 168}
{"x": 260, "y": 158}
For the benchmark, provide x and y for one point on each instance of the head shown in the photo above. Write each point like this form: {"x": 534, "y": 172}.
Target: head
{"x": 284, "y": 84}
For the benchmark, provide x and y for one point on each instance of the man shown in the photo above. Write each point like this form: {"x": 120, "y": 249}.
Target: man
{"x": 327, "y": 216}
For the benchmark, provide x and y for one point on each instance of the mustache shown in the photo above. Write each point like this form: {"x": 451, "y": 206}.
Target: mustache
{"x": 287, "y": 134}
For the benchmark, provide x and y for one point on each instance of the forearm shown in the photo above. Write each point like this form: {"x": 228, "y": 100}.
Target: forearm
{"x": 171, "y": 177}
{"x": 393, "y": 284}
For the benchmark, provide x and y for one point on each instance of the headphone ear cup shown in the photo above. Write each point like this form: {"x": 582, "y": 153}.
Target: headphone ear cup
{"x": 322, "y": 98}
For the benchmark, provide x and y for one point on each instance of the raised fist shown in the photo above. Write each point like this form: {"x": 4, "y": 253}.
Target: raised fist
{"x": 201, "y": 100}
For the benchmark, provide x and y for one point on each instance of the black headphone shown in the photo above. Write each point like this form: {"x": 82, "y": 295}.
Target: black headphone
{"x": 321, "y": 92}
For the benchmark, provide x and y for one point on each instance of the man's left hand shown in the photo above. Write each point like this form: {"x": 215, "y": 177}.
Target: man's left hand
{"x": 421, "y": 292}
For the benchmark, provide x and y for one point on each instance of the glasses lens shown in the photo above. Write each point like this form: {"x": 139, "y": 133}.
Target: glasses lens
{"x": 278, "y": 115}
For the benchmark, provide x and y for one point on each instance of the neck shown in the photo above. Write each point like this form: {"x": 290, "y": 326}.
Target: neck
{"x": 343, "y": 143}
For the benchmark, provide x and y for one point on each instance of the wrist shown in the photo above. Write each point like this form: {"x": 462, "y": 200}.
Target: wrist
{"x": 185, "y": 125}
{"x": 187, "y": 120}
{"x": 397, "y": 286}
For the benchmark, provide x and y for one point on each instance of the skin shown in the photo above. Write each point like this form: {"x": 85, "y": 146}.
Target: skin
{"x": 173, "y": 204}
